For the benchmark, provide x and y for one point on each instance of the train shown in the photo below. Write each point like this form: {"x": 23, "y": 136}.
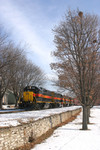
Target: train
{"x": 39, "y": 98}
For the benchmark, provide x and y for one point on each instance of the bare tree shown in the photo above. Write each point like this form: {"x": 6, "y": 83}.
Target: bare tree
{"x": 16, "y": 71}
{"x": 9, "y": 55}
{"x": 77, "y": 52}
{"x": 5, "y": 60}
{"x": 25, "y": 73}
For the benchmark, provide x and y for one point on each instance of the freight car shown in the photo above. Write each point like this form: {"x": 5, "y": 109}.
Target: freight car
{"x": 38, "y": 98}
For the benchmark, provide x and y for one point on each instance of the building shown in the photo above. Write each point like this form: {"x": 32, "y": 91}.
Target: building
{"x": 9, "y": 98}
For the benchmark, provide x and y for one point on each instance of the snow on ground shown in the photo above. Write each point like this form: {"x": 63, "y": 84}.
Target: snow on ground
{"x": 70, "y": 137}
{"x": 14, "y": 119}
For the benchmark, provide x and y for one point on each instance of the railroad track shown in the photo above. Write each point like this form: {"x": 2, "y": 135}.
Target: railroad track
{"x": 5, "y": 111}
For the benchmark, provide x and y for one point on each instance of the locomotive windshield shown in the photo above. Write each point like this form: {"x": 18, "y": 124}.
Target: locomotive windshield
{"x": 31, "y": 88}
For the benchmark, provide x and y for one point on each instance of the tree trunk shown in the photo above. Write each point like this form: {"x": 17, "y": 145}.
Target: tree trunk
{"x": 16, "y": 97}
{"x": 84, "y": 125}
{"x": 0, "y": 103}
{"x": 88, "y": 114}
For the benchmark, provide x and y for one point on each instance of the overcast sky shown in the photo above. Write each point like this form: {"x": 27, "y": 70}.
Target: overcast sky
{"x": 32, "y": 21}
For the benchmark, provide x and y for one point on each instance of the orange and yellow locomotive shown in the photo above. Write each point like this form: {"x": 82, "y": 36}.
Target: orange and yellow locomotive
{"x": 38, "y": 98}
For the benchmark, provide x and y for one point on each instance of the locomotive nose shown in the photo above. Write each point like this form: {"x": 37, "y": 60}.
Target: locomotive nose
{"x": 28, "y": 96}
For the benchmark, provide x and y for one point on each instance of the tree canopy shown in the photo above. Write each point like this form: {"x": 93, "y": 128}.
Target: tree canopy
{"x": 16, "y": 71}
{"x": 78, "y": 58}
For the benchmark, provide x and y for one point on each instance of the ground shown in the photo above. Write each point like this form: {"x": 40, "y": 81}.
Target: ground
{"x": 71, "y": 137}
{"x": 67, "y": 137}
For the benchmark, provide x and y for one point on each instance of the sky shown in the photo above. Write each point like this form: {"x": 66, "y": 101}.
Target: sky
{"x": 30, "y": 22}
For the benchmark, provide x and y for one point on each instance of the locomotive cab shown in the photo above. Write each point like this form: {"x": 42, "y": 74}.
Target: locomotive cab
{"x": 29, "y": 96}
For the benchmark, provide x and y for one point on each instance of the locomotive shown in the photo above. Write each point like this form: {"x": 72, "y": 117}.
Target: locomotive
{"x": 39, "y": 98}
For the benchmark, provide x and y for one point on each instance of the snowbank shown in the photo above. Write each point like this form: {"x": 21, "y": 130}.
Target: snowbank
{"x": 31, "y": 126}
{"x": 14, "y": 119}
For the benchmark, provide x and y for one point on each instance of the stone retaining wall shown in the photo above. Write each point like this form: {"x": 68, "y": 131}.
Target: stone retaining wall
{"x": 13, "y": 137}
